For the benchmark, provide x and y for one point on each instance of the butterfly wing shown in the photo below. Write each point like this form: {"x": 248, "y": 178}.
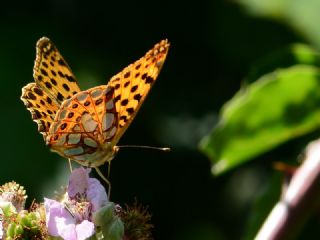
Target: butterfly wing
{"x": 52, "y": 73}
{"x": 42, "y": 107}
{"x": 133, "y": 83}
{"x": 54, "y": 83}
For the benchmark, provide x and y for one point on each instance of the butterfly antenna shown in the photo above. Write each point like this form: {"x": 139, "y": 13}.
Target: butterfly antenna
{"x": 165, "y": 149}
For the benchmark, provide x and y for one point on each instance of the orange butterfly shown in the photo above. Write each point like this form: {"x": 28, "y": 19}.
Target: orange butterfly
{"x": 85, "y": 126}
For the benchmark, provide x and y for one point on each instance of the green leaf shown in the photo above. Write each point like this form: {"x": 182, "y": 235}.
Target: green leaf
{"x": 104, "y": 215}
{"x": 289, "y": 56}
{"x": 278, "y": 107}
{"x": 110, "y": 224}
{"x": 301, "y": 15}
{"x": 113, "y": 230}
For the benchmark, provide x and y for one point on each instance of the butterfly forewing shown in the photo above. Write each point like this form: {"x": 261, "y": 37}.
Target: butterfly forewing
{"x": 43, "y": 109}
{"x": 134, "y": 82}
{"x": 52, "y": 73}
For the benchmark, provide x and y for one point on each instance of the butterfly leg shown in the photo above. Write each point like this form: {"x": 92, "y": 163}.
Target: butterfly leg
{"x": 70, "y": 164}
{"x": 106, "y": 180}
{"x": 109, "y": 168}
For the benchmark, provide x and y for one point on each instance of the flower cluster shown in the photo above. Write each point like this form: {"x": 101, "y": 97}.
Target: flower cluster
{"x": 82, "y": 212}
{"x": 72, "y": 218}
{"x": 15, "y": 222}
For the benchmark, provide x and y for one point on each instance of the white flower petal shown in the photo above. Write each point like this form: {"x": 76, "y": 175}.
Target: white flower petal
{"x": 84, "y": 230}
{"x": 57, "y": 217}
{"x": 68, "y": 232}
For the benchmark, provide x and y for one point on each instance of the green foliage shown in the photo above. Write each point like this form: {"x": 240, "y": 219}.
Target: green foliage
{"x": 26, "y": 225}
{"x": 279, "y": 106}
{"x": 283, "y": 58}
{"x": 301, "y": 15}
{"x": 262, "y": 205}
{"x": 110, "y": 225}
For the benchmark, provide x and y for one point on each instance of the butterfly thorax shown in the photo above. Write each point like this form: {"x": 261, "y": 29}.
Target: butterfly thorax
{"x": 85, "y": 126}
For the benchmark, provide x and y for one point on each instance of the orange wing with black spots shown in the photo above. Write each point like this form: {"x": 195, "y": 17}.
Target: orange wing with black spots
{"x": 42, "y": 107}
{"x": 54, "y": 83}
{"x": 133, "y": 84}
{"x": 52, "y": 73}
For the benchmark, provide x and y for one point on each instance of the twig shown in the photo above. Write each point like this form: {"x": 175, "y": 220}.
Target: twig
{"x": 298, "y": 202}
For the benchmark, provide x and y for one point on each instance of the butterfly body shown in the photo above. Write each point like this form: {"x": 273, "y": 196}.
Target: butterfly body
{"x": 85, "y": 126}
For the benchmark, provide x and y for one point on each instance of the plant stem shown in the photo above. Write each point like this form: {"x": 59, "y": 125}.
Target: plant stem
{"x": 298, "y": 202}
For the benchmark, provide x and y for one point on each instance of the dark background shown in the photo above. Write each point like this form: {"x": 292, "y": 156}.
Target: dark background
{"x": 213, "y": 45}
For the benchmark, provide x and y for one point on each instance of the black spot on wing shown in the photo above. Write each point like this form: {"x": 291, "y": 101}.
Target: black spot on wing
{"x": 126, "y": 75}
{"x": 44, "y": 72}
{"x": 137, "y": 97}
{"x": 61, "y": 62}
{"x": 60, "y": 96}
{"x": 31, "y": 96}
{"x": 98, "y": 101}
{"x": 63, "y": 126}
{"x": 130, "y": 110}
{"x": 48, "y": 85}
{"x": 124, "y": 102}
{"x": 54, "y": 82}
{"x": 134, "y": 88}
{"x": 66, "y": 87}
{"x": 38, "y": 91}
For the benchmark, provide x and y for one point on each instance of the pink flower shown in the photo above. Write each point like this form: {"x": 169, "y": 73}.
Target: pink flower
{"x": 71, "y": 219}
{"x": 1, "y": 228}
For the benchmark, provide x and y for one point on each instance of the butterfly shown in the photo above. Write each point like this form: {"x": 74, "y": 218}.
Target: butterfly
{"x": 85, "y": 126}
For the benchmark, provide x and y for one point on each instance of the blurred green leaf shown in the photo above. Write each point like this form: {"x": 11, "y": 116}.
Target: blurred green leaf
{"x": 270, "y": 8}
{"x": 301, "y": 15}
{"x": 285, "y": 57}
{"x": 278, "y": 107}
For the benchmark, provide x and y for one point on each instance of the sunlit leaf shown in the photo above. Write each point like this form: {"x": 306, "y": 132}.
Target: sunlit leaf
{"x": 291, "y": 55}
{"x": 278, "y": 107}
{"x": 299, "y": 14}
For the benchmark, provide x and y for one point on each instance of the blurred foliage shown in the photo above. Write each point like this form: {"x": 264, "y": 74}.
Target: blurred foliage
{"x": 295, "y": 54}
{"x": 299, "y": 14}
{"x": 279, "y": 106}
{"x": 263, "y": 205}
{"x": 215, "y": 46}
